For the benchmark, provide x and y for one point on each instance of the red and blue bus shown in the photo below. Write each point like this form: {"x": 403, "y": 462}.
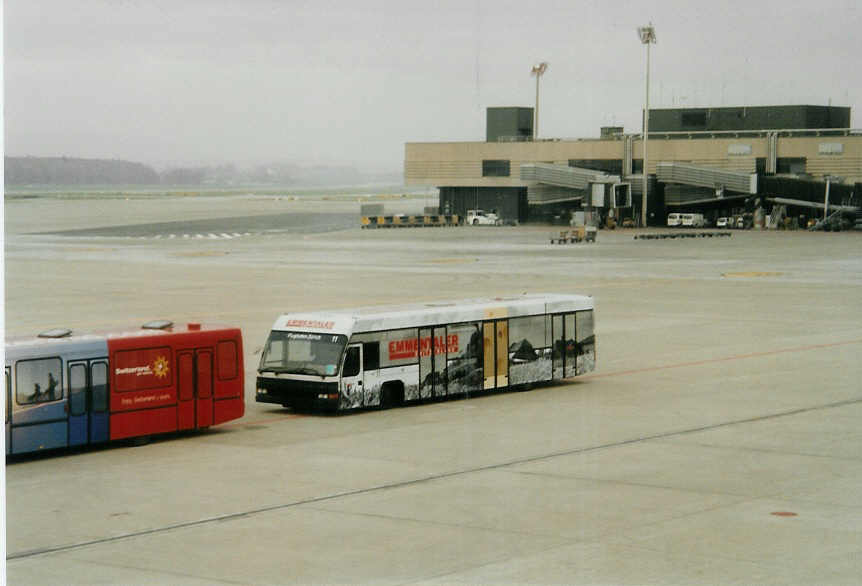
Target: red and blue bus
{"x": 65, "y": 389}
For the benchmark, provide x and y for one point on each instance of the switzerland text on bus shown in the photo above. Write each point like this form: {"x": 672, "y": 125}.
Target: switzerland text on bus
{"x": 65, "y": 389}
{"x": 385, "y": 356}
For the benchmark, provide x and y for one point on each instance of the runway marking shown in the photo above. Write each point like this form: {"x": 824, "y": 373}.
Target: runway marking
{"x": 753, "y": 274}
{"x": 679, "y": 365}
{"x": 200, "y": 253}
{"x": 497, "y": 466}
{"x": 451, "y": 260}
{"x": 429, "y": 478}
{"x": 209, "y": 235}
{"x": 716, "y": 360}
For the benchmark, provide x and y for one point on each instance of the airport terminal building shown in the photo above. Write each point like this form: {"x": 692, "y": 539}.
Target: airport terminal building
{"x": 715, "y": 161}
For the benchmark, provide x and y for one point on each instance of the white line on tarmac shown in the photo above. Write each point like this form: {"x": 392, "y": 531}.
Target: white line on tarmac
{"x": 428, "y": 478}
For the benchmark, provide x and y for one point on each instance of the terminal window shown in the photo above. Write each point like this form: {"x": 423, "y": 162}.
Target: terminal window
{"x": 613, "y": 166}
{"x": 495, "y": 168}
{"x": 790, "y": 165}
{"x": 697, "y": 119}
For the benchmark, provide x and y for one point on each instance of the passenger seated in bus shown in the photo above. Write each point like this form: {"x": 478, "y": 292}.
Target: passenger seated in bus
{"x": 36, "y": 397}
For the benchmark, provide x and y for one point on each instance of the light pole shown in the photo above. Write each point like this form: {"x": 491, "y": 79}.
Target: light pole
{"x": 538, "y": 70}
{"x": 647, "y": 36}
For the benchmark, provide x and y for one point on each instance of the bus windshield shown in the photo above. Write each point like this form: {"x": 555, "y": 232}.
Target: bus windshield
{"x": 303, "y": 353}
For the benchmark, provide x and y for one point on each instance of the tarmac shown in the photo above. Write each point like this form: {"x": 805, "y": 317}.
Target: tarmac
{"x": 719, "y": 440}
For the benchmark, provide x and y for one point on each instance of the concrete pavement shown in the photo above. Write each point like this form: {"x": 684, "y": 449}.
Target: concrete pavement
{"x": 717, "y": 443}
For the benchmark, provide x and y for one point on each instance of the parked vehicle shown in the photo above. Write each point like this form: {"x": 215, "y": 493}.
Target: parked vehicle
{"x": 673, "y": 220}
{"x": 722, "y": 222}
{"x": 482, "y": 218}
{"x": 692, "y": 220}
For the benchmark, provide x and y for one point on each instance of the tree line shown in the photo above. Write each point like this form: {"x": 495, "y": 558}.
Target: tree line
{"x": 76, "y": 171}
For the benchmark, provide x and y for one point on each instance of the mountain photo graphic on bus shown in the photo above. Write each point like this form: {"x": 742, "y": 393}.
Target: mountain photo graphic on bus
{"x": 394, "y": 355}
{"x": 65, "y": 389}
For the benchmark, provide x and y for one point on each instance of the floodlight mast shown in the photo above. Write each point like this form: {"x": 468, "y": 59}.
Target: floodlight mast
{"x": 647, "y": 37}
{"x": 538, "y": 70}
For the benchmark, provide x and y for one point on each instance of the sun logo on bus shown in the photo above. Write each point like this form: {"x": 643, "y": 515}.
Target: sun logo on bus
{"x": 160, "y": 367}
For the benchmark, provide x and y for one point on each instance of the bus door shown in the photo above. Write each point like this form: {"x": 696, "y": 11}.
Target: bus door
{"x": 432, "y": 362}
{"x": 204, "y": 403}
{"x": 559, "y": 345}
{"x": 565, "y": 347}
{"x": 194, "y": 387}
{"x": 88, "y": 402}
{"x": 7, "y": 409}
{"x": 570, "y": 360}
{"x": 353, "y": 375}
{"x": 495, "y": 335}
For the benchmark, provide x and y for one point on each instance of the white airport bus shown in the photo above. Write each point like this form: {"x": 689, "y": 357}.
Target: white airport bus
{"x": 389, "y": 356}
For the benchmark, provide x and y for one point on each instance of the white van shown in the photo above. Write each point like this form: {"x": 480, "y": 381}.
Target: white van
{"x": 673, "y": 220}
{"x": 692, "y": 220}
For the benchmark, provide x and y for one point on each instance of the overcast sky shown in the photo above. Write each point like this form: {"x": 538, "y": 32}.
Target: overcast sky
{"x": 326, "y": 82}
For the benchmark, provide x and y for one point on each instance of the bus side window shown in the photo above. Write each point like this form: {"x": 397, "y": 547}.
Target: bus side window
{"x": 226, "y": 358}
{"x": 38, "y": 381}
{"x": 351, "y": 362}
{"x": 99, "y": 380}
{"x": 371, "y": 356}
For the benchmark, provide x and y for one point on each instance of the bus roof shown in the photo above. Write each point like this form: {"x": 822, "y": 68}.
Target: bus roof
{"x": 390, "y": 317}
{"x": 60, "y": 339}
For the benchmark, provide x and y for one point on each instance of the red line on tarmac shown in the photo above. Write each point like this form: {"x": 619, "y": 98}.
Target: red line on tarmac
{"x": 724, "y": 359}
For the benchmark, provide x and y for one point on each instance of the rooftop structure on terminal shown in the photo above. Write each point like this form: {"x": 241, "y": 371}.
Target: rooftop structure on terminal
{"x": 509, "y": 124}
{"x": 748, "y": 118}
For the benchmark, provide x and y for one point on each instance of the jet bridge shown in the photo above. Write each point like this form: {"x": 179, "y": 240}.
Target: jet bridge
{"x": 549, "y": 183}
{"x": 719, "y": 179}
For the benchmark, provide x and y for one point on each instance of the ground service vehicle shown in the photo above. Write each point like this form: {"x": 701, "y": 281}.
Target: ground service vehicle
{"x": 721, "y": 223}
{"x": 388, "y": 356}
{"x": 673, "y": 220}
{"x": 482, "y": 218}
{"x": 65, "y": 389}
{"x": 692, "y": 220}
